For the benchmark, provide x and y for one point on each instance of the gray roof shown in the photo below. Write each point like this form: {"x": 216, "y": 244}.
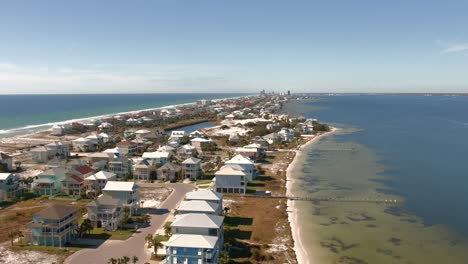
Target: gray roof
{"x": 207, "y": 195}
{"x": 4, "y": 156}
{"x": 198, "y": 206}
{"x": 170, "y": 166}
{"x": 198, "y": 220}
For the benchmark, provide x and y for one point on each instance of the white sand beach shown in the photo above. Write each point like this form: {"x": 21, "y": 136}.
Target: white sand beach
{"x": 302, "y": 255}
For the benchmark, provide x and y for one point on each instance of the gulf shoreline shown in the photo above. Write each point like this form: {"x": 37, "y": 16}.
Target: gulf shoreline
{"x": 302, "y": 255}
{"x": 38, "y": 128}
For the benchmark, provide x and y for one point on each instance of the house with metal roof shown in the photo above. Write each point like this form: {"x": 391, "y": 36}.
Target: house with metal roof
{"x": 199, "y": 224}
{"x": 246, "y": 164}
{"x": 192, "y": 168}
{"x": 231, "y": 179}
{"x": 127, "y": 192}
{"x": 49, "y": 182}
{"x": 201, "y": 207}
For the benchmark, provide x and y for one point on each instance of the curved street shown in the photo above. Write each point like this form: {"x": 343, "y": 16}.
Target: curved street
{"x": 135, "y": 245}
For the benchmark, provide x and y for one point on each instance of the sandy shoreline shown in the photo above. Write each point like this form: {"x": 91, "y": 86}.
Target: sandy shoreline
{"x": 302, "y": 255}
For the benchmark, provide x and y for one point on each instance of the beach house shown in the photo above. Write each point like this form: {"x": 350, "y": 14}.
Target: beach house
{"x": 127, "y": 192}
{"x": 96, "y": 182}
{"x": 105, "y": 212}
{"x": 199, "y": 224}
{"x": 205, "y": 195}
{"x": 186, "y": 151}
{"x": 247, "y": 165}
{"x": 127, "y": 147}
{"x": 143, "y": 170}
{"x": 201, "y": 143}
{"x": 169, "y": 172}
{"x": 157, "y": 157}
{"x": 251, "y": 153}
{"x": 183, "y": 248}
{"x": 192, "y": 168}
{"x": 6, "y": 162}
{"x": 231, "y": 179}
{"x": 49, "y": 182}
{"x": 83, "y": 145}
{"x": 199, "y": 207}
{"x": 9, "y": 186}
{"x": 53, "y": 226}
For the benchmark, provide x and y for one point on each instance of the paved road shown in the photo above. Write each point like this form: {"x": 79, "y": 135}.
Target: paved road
{"x": 135, "y": 245}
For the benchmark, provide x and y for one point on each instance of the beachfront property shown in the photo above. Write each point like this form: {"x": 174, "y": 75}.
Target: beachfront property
{"x": 234, "y": 138}
{"x": 169, "y": 172}
{"x": 198, "y": 249}
{"x": 105, "y": 127}
{"x": 261, "y": 151}
{"x": 251, "y": 153}
{"x": 83, "y": 145}
{"x": 106, "y": 212}
{"x": 9, "y": 186}
{"x": 127, "y": 192}
{"x": 96, "y": 182}
{"x": 43, "y": 154}
{"x": 205, "y": 195}
{"x": 192, "y": 168}
{"x": 49, "y": 182}
{"x": 247, "y": 165}
{"x": 200, "y": 143}
{"x": 157, "y": 157}
{"x": 231, "y": 179}
{"x": 199, "y": 224}
{"x": 263, "y": 143}
{"x": 53, "y": 226}
{"x": 6, "y": 162}
{"x": 57, "y": 130}
{"x": 272, "y": 138}
{"x": 286, "y": 134}
{"x": 199, "y": 207}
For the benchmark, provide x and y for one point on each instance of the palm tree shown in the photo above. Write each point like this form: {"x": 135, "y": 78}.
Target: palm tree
{"x": 157, "y": 243}
{"x": 86, "y": 226}
{"x": 149, "y": 239}
{"x": 112, "y": 261}
{"x": 12, "y": 235}
{"x": 125, "y": 259}
{"x": 134, "y": 259}
{"x": 146, "y": 218}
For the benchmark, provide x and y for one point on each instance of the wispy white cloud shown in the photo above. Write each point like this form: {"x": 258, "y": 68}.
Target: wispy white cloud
{"x": 123, "y": 78}
{"x": 452, "y": 47}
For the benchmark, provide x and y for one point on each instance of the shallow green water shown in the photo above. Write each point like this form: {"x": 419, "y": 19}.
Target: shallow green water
{"x": 362, "y": 232}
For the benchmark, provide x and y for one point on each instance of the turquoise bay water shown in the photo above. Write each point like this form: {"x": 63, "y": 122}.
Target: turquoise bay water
{"x": 28, "y": 113}
{"x": 410, "y": 148}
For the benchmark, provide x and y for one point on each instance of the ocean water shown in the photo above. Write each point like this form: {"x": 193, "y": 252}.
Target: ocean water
{"x": 409, "y": 148}
{"x": 21, "y": 114}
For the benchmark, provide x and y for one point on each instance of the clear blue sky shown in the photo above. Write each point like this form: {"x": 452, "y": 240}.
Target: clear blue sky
{"x": 233, "y": 46}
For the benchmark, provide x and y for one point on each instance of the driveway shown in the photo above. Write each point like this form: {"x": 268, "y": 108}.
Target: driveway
{"x": 135, "y": 245}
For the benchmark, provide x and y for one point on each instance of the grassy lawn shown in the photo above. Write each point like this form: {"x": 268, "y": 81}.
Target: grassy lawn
{"x": 99, "y": 233}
